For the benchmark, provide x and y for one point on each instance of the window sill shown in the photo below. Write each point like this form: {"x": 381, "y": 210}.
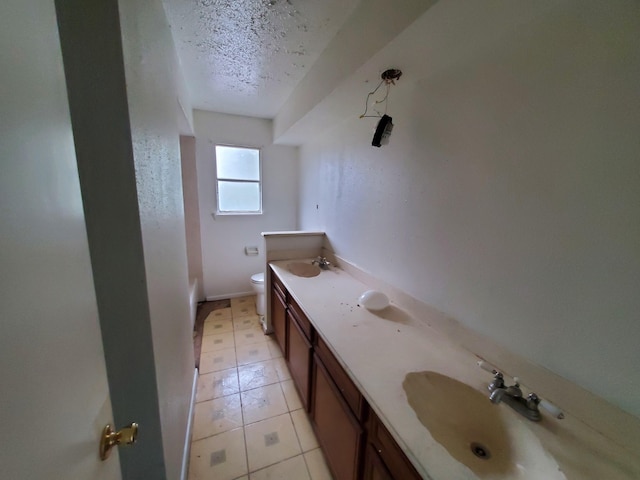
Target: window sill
{"x": 215, "y": 215}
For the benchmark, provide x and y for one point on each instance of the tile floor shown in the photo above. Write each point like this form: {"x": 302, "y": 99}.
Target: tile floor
{"x": 248, "y": 421}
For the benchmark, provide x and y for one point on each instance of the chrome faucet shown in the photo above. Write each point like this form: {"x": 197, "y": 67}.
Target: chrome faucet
{"x": 322, "y": 262}
{"x": 512, "y": 396}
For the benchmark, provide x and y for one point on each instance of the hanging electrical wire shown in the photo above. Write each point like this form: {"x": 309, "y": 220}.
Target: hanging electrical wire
{"x": 388, "y": 78}
{"x": 366, "y": 103}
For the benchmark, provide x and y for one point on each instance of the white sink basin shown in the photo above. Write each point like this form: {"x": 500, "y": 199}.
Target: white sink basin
{"x": 306, "y": 270}
{"x": 492, "y": 442}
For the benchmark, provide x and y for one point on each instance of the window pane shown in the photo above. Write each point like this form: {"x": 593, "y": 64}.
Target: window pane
{"x": 238, "y": 196}
{"x": 238, "y": 163}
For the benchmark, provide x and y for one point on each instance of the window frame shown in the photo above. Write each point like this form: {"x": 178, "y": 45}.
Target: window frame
{"x": 219, "y": 212}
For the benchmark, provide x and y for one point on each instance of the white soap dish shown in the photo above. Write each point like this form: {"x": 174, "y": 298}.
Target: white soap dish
{"x": 373, "y": 300}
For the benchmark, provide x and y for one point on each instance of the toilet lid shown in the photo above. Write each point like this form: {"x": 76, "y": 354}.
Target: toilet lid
{"x": 257, "y": 278}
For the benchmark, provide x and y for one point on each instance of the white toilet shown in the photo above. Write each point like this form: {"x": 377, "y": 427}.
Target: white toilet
{"x": 257, "y": 283}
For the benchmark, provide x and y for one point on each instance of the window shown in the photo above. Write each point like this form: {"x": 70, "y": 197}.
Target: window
{"x": 238, "y": 187}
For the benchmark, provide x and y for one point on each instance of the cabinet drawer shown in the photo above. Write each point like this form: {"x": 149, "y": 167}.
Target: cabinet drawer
{"x": 302, "y": 319}
{"x": 386, "y": 447}
{"x": 347, "y": 388}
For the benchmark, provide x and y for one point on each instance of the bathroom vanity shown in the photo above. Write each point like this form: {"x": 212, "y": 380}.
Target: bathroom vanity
{"x": 354, "y": 441}
{"x": 349, "y": 365}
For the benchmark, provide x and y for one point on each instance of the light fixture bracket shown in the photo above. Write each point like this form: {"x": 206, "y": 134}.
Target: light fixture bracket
{"x": 390, "y": 75}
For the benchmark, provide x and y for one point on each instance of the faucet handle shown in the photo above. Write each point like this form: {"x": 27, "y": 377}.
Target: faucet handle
{"x": 498, "y": 378}
{"x": 534, "y": 400}
{"x": 552, "y": 409}
{"x": 487, "y": 367}
{"x": 498, "y": 382}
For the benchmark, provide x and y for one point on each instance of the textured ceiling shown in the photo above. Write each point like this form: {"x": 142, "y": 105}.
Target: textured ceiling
{"x": 246, "y": 56}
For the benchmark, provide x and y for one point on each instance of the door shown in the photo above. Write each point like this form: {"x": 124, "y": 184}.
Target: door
{"x": 299, "y": 361}
{"x": 279, "y": 320}
{"x": 54, "y": 397}
{"x": 338, "y": 431}
{"x": 374, "y": 468}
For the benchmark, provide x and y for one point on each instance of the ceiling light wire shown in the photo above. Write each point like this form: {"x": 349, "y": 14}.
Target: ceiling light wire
{"x": 388, "y": 78}
{"x": 366, "y": 103}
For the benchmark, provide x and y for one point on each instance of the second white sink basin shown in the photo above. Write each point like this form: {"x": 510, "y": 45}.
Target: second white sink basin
{"x": 490, "y": 441}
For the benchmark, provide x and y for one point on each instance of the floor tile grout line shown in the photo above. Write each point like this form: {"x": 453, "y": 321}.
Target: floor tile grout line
{"x": 244, "y": 430}
{"x": 244, "y": 424}
{"x": 246, "y": 447}
{"x": 304, "y": 412}
{"x": 282, "y": 461}
{"x": 294, "y": 427}
{"x": 285, "y": 399}
{"x": 304, "y": 458}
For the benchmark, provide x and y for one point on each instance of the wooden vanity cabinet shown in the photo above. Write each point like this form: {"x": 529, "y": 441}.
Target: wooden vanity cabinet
{"x": 374, "y": 467}
{"x": 383, "y": 449}
{"x": 339, "y": 433}
{"x": 343, "y": 383}
{"x": 279, "y": 313}
{"x": 299, "y": 359}
{"x": 353, "y": 440}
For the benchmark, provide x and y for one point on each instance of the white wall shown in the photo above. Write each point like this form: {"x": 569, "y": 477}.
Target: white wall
{"x": 54, "y": 397}
{"x": 191, "y": 210}
{"x": 509, "y": 196}
{"x": 226, "y": 268}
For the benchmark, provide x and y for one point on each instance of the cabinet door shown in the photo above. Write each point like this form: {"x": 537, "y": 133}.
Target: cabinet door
{"x": 299, "y": 349}
{"x": 347, "y": 388}
{"x": 388, "y": 451}
{"x": 374, "y": 468}
{"x": 338, "y": 431}
{"x": 279, "y": 320}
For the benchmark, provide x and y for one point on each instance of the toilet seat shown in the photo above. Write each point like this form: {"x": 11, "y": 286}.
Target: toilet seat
{"x": 257, "y": 278}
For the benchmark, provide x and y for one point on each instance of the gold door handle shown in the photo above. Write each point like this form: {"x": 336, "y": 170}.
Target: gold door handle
{"x": 109, "y": 438}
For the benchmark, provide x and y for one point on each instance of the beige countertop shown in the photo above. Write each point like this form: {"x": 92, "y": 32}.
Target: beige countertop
{"x": 379, "y": 349}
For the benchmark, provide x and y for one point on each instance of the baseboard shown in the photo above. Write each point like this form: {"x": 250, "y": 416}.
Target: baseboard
{"x": 187, "y": 440}
{"x": 211, "y": 298}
